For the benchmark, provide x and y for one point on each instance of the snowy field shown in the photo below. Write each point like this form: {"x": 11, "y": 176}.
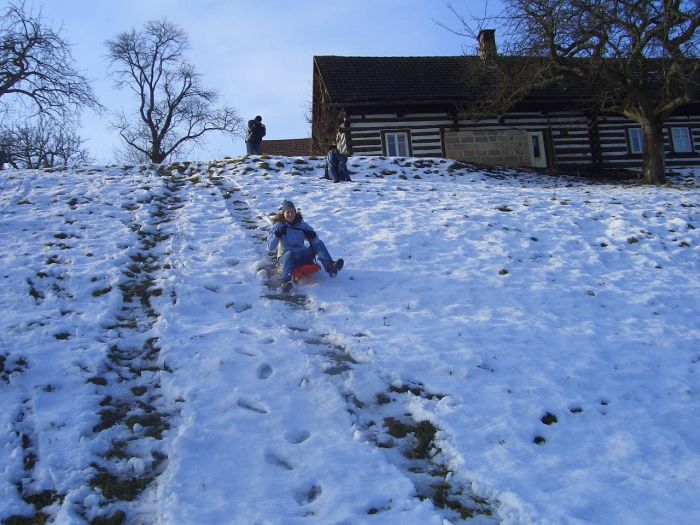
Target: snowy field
{"x": 500, "y": 348}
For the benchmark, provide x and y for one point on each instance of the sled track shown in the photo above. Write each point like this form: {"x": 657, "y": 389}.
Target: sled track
{"x": 133, "y": 414}
{"x": 122, "y": 371}
{"x": 408, "y": 443}
{"x": 256, "y": 227}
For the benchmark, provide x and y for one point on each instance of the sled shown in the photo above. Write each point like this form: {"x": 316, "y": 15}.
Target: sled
{"x": 304, "y": 272}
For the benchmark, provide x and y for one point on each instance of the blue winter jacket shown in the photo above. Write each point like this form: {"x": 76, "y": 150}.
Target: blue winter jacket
{"x": 294, "y": 238}
{"x": 332, "y": 159}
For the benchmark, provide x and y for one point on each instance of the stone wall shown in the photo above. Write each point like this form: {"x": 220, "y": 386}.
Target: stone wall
{"x": 503, "y": 147}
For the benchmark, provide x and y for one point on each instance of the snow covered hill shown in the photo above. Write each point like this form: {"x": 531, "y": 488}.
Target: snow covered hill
{"x": 501, "y": 347}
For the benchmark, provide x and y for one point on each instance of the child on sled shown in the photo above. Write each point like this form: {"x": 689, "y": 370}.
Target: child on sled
{"x": 289, "y": 237}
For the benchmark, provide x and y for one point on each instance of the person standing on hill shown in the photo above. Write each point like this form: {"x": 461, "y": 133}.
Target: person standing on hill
{"x": 253, "y": 138}
{"x": 336, "y": 167}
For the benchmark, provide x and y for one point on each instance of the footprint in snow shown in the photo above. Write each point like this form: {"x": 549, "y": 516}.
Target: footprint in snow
{"x": 246, "y": 352}
{"x": 254, "y": 405}
{"x": 276, "y": 460}
{"x": 264, "y": 371}
{"x": 307, "y": 494}
{"x": 267, "y": 340}
{"x": 296, "y": 436}
{"x": 239, "y": 308}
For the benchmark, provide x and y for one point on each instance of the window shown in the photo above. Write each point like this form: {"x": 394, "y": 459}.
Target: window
{"x": 396, "y": 144}
{"x": 536, "y": 146}
{"x": 681, "y": 140}
{"x": 636, "y": 140}
{"x": 538, "y": 157}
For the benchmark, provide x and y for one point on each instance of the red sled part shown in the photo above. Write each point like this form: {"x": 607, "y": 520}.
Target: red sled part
{"x": 305, "y": 270}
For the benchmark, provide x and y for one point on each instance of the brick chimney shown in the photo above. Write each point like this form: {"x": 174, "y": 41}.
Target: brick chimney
{"x": 487, "y": 45}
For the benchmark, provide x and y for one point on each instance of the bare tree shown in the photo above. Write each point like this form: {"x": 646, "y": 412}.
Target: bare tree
{"x": 325, "y": 121}
{"x": 43, "y": 145}
{"x": 173, "y": 109}
{"x": 37, "y": 70}
{"x": 639, "y": 57}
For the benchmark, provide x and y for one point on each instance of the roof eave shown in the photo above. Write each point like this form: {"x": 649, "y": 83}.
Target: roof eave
{"x": 397, "y": 102}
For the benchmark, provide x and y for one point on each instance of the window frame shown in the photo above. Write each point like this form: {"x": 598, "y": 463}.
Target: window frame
{"x": 396, "y": 132}
{"x": 687, "y": 139}
{"x": 541, "y": 160}
{"x": 637, "y": 140}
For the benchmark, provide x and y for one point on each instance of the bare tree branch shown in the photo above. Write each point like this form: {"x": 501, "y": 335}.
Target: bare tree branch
{"x": 37, "y": 70}
{"x": 174, "y": 109}
{"x": 639, "y": 57}
{"x": 43, "y": 144}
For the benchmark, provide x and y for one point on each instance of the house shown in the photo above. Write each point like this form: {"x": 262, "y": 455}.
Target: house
{"x": 413, "y": 106}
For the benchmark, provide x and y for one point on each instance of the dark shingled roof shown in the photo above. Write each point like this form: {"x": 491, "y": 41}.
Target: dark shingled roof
{"x": 436, "y": 80}
{"x": 385, "y": 79}
{"x": 439, "y": 80}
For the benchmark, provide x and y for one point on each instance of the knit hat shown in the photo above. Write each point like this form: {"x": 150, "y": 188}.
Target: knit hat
{"x": 287, "y": 205}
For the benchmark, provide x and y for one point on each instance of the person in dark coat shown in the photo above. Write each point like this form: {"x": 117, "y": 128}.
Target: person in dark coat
{"x": 297, "y": 244}
{"x": 336, "y": 166}
{"x": 254, "y": 135}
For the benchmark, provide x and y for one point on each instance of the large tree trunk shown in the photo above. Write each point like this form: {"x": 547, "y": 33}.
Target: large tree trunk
{"x": 654, "y": 160}
{"x": 157, "y": 154}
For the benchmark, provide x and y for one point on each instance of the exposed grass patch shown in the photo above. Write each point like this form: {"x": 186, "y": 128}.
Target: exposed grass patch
{"x": 549, "y": 419}
{"x": 118, "y": 489}
{"x": 118, "y": 518}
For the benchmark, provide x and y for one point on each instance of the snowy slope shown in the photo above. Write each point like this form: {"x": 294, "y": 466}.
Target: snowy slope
{"x": 501, "y": 347}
